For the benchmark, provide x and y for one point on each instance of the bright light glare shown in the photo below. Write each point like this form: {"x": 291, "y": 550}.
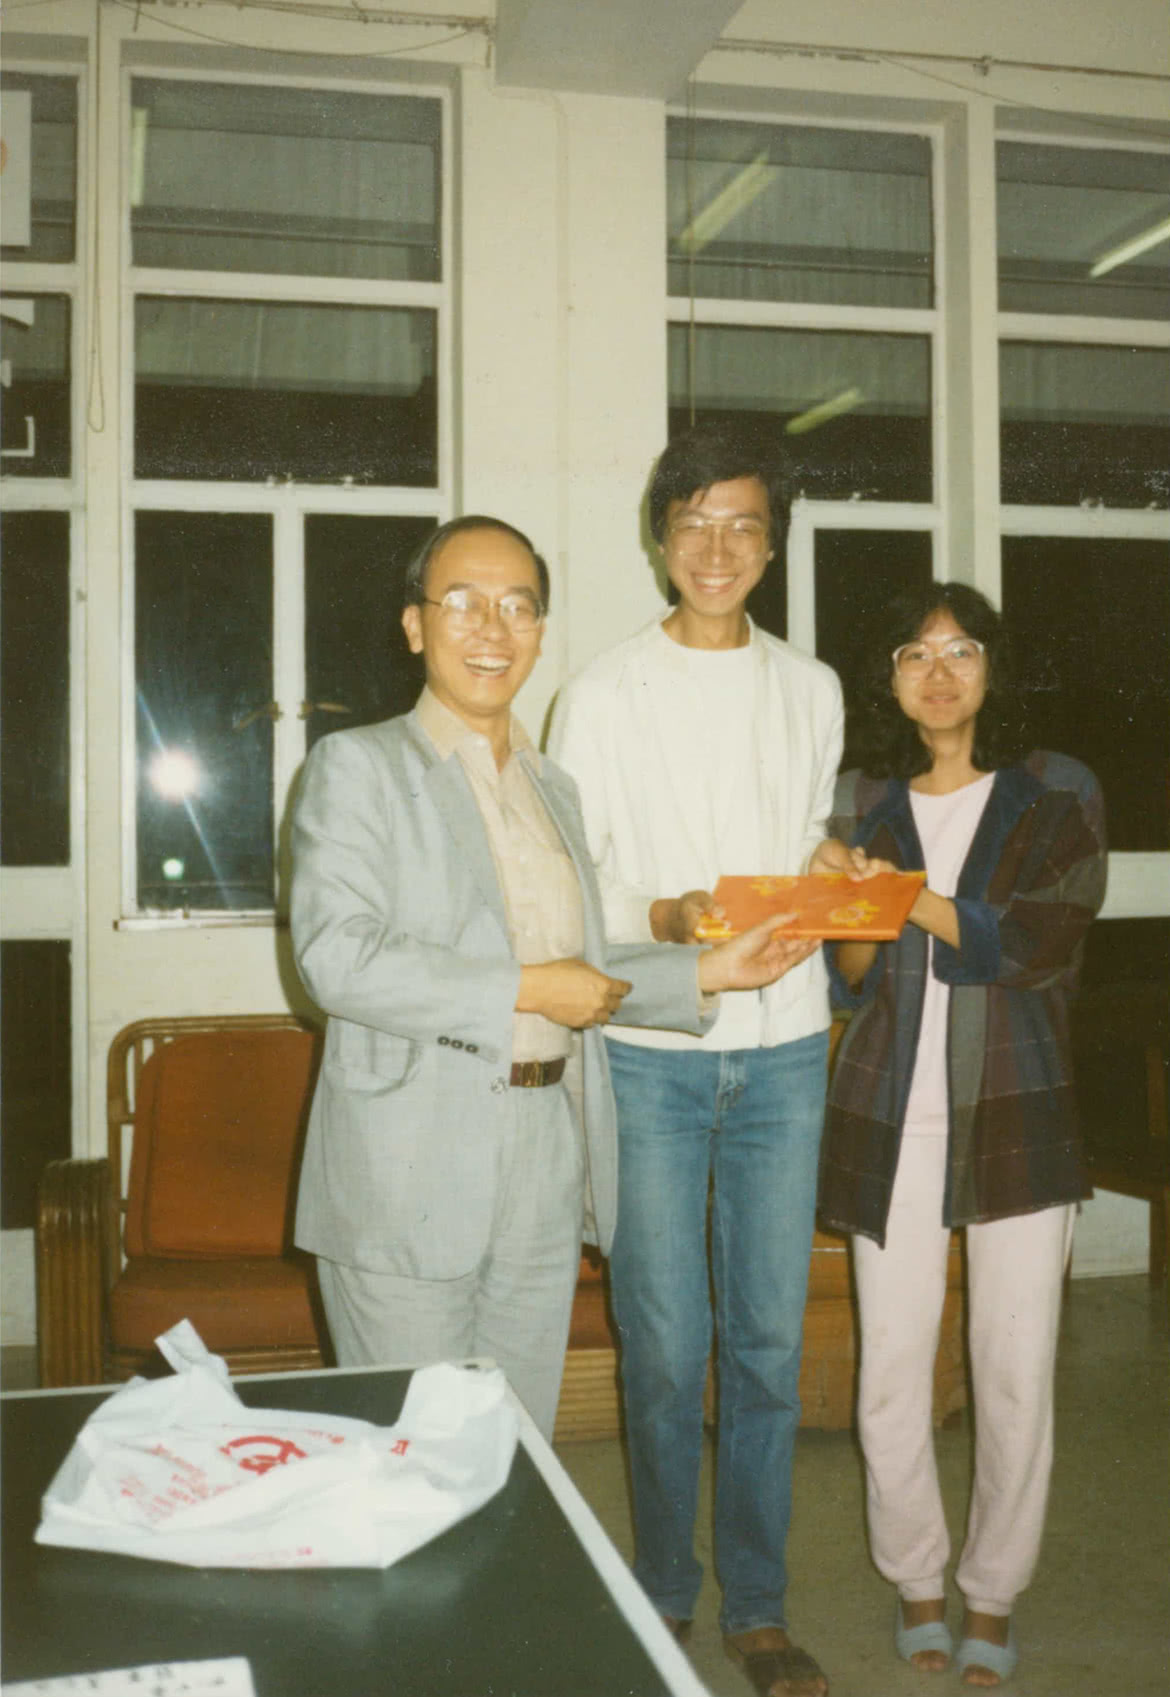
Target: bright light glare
{"x": 174, "y": 774}
{"x": 173, "y": 869}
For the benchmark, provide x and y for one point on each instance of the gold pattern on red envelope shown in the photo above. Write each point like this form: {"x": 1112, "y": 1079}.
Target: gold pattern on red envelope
{"x": 823, "y": 905}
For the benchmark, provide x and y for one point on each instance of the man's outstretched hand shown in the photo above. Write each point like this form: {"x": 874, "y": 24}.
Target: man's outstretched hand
{"x": 755, "y": 958}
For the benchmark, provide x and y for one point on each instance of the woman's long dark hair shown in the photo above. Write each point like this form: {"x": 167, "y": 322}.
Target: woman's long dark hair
{"x": 881, "y": 739}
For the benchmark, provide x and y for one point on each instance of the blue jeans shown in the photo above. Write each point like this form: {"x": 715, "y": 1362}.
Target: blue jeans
{"x": 746, "y": 1125}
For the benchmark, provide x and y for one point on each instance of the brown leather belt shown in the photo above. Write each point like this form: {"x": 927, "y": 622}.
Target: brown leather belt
{"x": 533, "y": 1075}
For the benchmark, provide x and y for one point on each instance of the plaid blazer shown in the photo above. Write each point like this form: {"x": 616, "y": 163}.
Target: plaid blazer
{"x": 1032, "y": 881}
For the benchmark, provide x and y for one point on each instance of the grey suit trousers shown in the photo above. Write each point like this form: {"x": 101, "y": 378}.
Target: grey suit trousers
{"x": 514, "y": 1307}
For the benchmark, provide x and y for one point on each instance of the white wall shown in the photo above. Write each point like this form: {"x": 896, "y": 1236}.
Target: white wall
{"x": 560, "y": 392}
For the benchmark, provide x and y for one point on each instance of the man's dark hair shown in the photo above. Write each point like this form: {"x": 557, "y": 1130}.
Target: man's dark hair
{"x": 414, "y": 584}
{"x": 718, "y": 453}
{"x": 882, "y": 740}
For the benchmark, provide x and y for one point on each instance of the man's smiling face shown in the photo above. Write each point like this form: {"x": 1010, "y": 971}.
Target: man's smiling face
{"x": 476, "y": 673}
{"x": 717, "y": 544}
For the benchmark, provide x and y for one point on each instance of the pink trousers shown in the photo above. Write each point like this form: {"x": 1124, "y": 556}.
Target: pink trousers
{"x": 1015, "y": 1269}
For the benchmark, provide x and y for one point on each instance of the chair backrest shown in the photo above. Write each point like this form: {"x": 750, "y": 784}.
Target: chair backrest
{"x": 218, "y": 1122}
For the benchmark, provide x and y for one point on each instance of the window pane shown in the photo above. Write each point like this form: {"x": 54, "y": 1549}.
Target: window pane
{"x": 34, "y": 690}
{"x": 34, "y": 343}
{"x": 1093, "y": 616}
{"x": 1084, "y": 424}
{"x": 312, "y": 182}
{"x": 203, "y": 648}
{"x": 245, "y": 390}
{"x": 857, "y": 573}
{"x": 782, "y": 213}
{"x": 1064, "y": 210}
{"x": 54, "y": 168}
{"x": 37, "y": 1061}
{"x": 358, "y": 668}
{"x": 854, "y": 409}
{"x": 1127, "y": 950}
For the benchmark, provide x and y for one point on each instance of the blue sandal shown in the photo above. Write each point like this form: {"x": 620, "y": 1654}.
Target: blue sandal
{"x": 1000, "y": 1659}
{"x": 928, "y": 1635}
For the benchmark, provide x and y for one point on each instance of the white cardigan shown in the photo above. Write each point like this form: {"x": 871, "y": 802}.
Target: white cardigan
{"x": 625, "y": 728}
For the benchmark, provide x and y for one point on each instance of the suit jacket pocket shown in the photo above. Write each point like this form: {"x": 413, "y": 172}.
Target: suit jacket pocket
{"x": 367, "y": 1060}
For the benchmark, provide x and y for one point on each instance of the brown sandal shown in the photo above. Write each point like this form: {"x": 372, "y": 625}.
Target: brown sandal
{"x": 788, "y": 1665}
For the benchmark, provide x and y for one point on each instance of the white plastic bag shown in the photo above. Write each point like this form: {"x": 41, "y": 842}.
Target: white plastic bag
{"x": 179, "y": 1469}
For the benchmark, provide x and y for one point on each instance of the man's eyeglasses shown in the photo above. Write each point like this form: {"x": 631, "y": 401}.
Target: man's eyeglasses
{"x": 959, "y": 654}
{"x": 467, "y": 611}
{"x": 691, "y": 534}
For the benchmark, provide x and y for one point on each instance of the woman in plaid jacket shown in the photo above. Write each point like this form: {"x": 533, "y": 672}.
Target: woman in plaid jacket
{"x": 952, "y": 1103}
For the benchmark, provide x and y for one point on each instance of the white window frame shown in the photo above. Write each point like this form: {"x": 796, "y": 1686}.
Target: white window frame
{"x": 48, "y": 903}
{"x": 809, "y": 517}
{"x": 287, "y": 503}
{"x": 813, "y": 315}
{"x": 1139, "y": 884}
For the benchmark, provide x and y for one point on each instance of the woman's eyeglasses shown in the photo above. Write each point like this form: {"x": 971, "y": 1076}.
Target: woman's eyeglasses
{"x": 959, "y": 654}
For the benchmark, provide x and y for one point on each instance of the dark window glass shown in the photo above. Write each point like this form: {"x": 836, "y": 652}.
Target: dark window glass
{"x": 1127, "y": 950}
{"x": 776, "y": 212}
{"x": 1067, "y": 212}
{"x": 853, "y": 410}
{"x": 54, "y": 168}
{"x": 358, "y": 668}
{"x": 36, "y": 1056}
{"x": 34, "y": 690}
{"x": 857, "y": 573}
{"x": 1084, "y": 424}
{"x": 246, "y": 390}
{"x": 768, "y": 601}
{"x": 1093, "y": 622}
{"x": 301, "y": 181}
{"x": 203, "y": 652}
{"x": 35, "y": 420}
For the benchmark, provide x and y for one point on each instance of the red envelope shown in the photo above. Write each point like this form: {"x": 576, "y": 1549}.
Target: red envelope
{"x": 827, "y": 906}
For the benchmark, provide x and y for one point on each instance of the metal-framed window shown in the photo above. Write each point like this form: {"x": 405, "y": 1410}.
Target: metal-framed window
{"x": 1083, "y": 249}
{"x": 286, "y": 362}
{"x": 42, "y": 637}
{"x": 803, "y": 293}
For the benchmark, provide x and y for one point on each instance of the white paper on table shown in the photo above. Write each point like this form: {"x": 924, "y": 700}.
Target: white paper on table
{"x": 229, "y": 1676}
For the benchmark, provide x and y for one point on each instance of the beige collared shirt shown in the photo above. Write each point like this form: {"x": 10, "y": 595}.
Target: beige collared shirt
{"x": 542, "y": 893}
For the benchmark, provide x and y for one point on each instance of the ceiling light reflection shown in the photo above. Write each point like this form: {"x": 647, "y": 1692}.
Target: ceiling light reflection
{"x": 174, "y": 774}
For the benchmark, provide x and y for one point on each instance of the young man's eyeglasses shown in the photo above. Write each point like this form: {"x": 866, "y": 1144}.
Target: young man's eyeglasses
{"x": 959, "y": 654}
{"x": 692, "y": 533}
{"x": 467, "y": 611}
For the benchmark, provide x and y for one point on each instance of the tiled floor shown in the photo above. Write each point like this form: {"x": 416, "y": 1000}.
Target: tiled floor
{"x": 1096, "y": 1620}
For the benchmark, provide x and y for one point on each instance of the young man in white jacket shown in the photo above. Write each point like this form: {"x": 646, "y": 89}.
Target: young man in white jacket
{"x": 702, "y": 745}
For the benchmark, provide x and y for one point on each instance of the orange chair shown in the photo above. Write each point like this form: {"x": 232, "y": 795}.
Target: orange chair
{"x": 205, "y": 1120}
{"x": 216, "y": 1111}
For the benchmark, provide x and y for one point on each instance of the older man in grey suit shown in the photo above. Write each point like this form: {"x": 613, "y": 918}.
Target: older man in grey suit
{"x": 446, "y": 917}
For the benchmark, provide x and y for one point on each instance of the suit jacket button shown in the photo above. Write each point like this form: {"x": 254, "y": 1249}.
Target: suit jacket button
{"x": 456, "y": 1043}
{"x": 444, "y": 1039}
{"x": 499, "y": 1085}
{"x": 472, "y": 1048}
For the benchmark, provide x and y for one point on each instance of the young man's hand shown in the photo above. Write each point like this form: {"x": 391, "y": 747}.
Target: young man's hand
{"x": 674, "y": 921}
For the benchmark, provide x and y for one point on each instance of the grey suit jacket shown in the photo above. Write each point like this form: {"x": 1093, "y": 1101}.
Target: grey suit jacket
{"x": 401, "y": 937}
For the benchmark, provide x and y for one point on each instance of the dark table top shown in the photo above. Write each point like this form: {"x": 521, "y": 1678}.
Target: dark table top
{"x": 506, "y": 1604}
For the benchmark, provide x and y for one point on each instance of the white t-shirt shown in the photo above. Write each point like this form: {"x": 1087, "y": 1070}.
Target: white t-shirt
{"x": 723, "y": 681}
{"x": 946, "y": 825}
